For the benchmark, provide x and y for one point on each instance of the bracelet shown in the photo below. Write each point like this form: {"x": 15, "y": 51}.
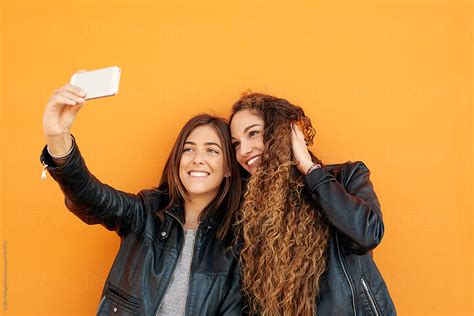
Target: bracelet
{"x": 313, "y": 167}
{"x": 66, "y": 154}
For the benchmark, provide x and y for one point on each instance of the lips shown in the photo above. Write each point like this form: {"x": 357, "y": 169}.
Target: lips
{"x": 253, "y": 160}
{"x": 198, "y": 174}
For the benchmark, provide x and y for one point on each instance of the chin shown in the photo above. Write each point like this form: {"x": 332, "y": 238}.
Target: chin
{"x": 200, "y": 192}
{"x": 252, "y": 170}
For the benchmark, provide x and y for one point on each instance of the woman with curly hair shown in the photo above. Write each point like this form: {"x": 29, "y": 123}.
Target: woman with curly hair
{"x": 307, "y": 229}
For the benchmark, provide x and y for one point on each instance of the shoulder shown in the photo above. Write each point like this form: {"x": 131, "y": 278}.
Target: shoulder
{"x": 347, "y": 166}
{"x": 348, "y": 171}
{"x": 154, "y": 198}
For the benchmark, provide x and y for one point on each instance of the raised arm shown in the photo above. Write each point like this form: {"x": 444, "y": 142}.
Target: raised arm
{"x": 351, "y": 205}
{"x": 89, "y": 199}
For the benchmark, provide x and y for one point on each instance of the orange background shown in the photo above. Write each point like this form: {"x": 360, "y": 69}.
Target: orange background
{"x": 388, "y": 84}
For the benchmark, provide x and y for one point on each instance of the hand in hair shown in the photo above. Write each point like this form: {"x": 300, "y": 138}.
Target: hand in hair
{"x": 300, "y": 150}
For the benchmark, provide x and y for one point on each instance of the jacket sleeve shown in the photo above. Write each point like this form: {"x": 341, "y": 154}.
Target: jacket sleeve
{"x": 91, "y": 200}
{"x": 351, "y": 207}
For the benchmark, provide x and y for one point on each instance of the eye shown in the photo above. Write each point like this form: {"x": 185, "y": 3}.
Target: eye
{"x": 253, "y": 133}
{"x": 235, "y": 145}
{"x": 187, "y": 149}
{"x": 213, "y": 151}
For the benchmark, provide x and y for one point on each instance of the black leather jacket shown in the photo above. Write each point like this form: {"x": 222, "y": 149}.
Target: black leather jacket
{"x": 150, "y": 246}
{"x": 352, "y": 284}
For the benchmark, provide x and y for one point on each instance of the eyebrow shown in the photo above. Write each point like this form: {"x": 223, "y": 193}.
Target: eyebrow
{"x": 206, "y": 144}
{"x": 247, "y": 128}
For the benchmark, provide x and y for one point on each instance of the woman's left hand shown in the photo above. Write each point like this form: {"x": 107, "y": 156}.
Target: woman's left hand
{"x": 300, "y": 150}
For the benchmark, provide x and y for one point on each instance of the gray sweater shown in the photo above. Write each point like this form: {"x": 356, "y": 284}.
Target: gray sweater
{"x": 174, "y": 301}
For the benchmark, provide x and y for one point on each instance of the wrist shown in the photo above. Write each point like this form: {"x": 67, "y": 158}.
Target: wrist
{"x": 313, "y": 166}
{"x": 59, "y": 146}
{"x": 304, "y": 166}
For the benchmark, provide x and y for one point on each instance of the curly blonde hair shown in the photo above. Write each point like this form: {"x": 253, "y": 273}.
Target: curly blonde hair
{"x": 284, "y": 237}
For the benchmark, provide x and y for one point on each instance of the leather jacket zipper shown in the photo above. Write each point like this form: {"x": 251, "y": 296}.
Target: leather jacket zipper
{"x": 43, "y": 172}
{"x": 369, "y": 295}
{"x": 174, "y": 267}
{"x": 191, "y": 267}
{"x": 346, "y": 274}
{"x": 176, "y": 263}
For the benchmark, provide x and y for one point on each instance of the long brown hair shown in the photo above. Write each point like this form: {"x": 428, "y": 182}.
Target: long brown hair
{"x": 228, "y": 197}
{"x": 284, "y": 236}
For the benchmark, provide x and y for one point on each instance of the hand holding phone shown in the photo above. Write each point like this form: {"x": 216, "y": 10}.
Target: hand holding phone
{"x": 98, "y": 83}
{"x": 65, "y": 103}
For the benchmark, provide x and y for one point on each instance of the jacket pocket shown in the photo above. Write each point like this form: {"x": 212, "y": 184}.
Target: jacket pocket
{"x": 370, "y": 303}
{"x": 117, "y": 302}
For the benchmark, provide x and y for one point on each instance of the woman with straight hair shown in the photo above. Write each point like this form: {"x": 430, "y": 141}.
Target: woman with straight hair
{"x": 176, "y": 255}
{"x": 307, "y": 229}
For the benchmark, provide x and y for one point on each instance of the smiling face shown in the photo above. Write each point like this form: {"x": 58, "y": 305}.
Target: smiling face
{"x": 202, "y": 166}
{"x": 247, "y": 128}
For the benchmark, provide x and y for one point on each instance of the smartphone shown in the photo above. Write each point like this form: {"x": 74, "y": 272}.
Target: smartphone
{"x": 98, "y": 83}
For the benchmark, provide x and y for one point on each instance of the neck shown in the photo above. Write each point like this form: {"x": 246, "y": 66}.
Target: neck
{"x": 193, "y": 208}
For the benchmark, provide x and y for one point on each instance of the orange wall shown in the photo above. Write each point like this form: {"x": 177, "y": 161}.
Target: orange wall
{"x": 389, "y": 84}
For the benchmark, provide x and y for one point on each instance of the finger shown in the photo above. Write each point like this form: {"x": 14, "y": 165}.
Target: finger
{"x": 75, "y": 108}
{"x": 61, "y": 100}
{"x": 72, "y": 96}
{"x": 75, "y": 89}
{"x": 298, "y": 129}
{"x": 293, "y": 128}
{"x": 294, "y": 136}
{"x": 298, "y": 132}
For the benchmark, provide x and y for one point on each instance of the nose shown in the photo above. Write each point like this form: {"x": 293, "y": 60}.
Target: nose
{"x": 245, "y": 148}
{"x": 198, "y": 158}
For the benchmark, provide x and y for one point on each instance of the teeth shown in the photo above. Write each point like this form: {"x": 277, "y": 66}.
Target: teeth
{"x": 253, "y": 160}
{"x": 198, "y": 174}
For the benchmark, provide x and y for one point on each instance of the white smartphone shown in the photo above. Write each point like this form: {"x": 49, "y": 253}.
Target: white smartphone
{"x": 98, "y": 83}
